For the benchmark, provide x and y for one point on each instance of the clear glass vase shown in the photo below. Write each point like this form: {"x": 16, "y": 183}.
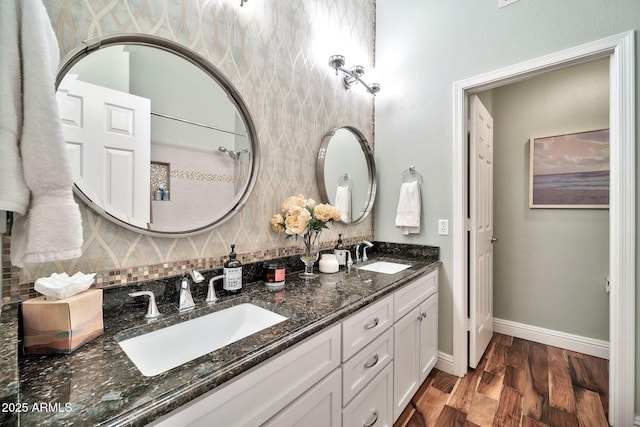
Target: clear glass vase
{"x": 310, "y": 254}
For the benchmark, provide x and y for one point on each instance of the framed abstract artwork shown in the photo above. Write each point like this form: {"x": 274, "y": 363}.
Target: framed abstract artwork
{"x": 570, "y": 170}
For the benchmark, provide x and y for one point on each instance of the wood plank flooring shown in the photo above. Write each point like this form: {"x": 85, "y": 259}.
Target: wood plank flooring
{"x": 517, "y": 383}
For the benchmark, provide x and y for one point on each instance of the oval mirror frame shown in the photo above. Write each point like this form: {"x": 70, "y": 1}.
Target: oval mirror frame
{"x": 321, "y": 172}
{"x": 91, "y": 45}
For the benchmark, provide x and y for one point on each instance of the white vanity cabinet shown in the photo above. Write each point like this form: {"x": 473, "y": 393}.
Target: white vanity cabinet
{"x": 415, "y": 334}
{"x": 360, "y": 372}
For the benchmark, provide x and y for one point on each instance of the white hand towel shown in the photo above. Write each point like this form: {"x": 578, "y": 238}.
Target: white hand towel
{"x": 343, "y": 202}
{"x": 409, "y": 205}
{"x": 51, "y": 229}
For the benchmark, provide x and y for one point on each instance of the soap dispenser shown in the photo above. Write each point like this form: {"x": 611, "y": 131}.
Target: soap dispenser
{"x": 340, "y": 252}
{"x": 232, "y": 272}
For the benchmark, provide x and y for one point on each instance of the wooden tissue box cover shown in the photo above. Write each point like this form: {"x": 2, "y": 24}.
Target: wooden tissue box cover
{"x": 64, "y": 325}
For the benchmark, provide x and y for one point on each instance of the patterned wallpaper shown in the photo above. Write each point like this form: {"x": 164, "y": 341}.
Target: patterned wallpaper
{"x": 275, "y": 53}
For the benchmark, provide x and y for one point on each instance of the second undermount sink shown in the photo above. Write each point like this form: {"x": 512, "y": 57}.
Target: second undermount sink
{"x": 385, "y": 267}
{"x": 156, "y": 352}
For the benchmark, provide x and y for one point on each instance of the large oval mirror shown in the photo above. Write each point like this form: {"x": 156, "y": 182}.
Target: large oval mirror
{"x": 346, "y": 173}
{"x": 159, "y": 139}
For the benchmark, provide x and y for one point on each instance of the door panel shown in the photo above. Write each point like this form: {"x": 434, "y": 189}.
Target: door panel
{"x": 108, "y": 135}
{"x": 481, "y": 236}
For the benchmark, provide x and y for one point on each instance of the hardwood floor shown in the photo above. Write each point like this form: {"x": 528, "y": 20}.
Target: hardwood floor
{"x": 517, "y": 383}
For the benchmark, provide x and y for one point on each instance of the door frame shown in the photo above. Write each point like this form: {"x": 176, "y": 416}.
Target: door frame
{"x": 622, "y": 215}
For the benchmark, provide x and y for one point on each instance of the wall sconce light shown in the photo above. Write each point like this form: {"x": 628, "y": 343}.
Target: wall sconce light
{"x": 352, "y": 75}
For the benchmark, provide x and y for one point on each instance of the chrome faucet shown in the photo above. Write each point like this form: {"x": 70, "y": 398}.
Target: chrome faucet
{"x": 364, "y": 258}
{"x": 211, "y": 293}
{"x": 185, "y": 300}
{"x": 152, "y": 308}
{"x": 349, "y": 262}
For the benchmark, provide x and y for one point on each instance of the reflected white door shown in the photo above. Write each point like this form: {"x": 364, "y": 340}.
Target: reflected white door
{"x": 108, "y": 136}
{"x": 481, "y": 236}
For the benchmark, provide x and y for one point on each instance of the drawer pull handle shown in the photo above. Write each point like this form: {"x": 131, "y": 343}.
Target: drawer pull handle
{"x": 372, "y": 324}
{"x": 373, "y": 419}
{"x": 373, "y": 362}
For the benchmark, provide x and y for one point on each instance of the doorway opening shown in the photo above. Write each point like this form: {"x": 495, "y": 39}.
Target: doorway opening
{"x": 619, "y": 50}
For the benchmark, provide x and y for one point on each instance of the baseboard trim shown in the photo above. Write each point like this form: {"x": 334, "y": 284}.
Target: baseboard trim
{"x": 445, "y": 362}
{"x": 590, "y": 346}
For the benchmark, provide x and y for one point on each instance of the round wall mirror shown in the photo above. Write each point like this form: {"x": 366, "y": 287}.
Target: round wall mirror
{"x": 159, "y": 140}
{"x": 346, "y": 173}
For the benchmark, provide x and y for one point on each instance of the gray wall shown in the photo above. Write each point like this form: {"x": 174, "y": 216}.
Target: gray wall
{"x": 550, "y": 264}
{"x": 422, "y": 48}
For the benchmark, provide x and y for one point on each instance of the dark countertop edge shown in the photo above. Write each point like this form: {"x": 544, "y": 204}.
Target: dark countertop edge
{"x": 9, "y": 377}
{"x": 174, "y": 399}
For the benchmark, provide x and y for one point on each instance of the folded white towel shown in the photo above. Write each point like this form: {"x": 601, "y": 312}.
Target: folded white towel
{"x": 51, "y": 229}
{"x": 409, "y": 206}
{"x": 343, "y": 202}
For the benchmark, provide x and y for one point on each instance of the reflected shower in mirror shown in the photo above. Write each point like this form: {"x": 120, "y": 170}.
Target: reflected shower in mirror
{"x": 346, "y": 173}
{"x": 159, "y": 139}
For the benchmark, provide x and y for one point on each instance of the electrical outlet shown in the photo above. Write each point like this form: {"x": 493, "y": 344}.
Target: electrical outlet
{"x": 443, "y": 227}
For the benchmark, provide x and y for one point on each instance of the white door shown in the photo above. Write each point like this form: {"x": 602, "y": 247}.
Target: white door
{"x": 108, "y": 135}
{"x": 481, "y": 236}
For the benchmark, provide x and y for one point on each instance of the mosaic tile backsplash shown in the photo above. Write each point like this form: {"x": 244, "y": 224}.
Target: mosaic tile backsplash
{"x": 275, "y": 54}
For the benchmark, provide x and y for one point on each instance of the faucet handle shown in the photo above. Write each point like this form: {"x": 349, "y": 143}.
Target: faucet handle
{"x": 196, "y": 276}
{"x": 211, "y": 293}
{"x": 152, "y": 308}
{"x": 349, "y": 261}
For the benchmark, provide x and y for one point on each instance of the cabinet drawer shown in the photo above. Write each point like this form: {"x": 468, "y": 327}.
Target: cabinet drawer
{"x": 365, "y": 325}
{"x": 359, "y": 370}
{"x": 411, "y": 295}
{"x": 372, "y": 406}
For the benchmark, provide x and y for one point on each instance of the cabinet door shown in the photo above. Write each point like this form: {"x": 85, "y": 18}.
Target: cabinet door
{"x": 406, "y": 357}
{"x": 428, "y": 336}
{"x": 318, "y": 407}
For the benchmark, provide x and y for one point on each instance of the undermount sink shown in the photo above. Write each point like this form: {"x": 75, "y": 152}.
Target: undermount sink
{"x": 385, "y": 267}
{"x": 156, "y": 352}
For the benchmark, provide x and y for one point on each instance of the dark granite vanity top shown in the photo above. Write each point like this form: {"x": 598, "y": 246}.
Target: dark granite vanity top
{"x": 99, "y": 385}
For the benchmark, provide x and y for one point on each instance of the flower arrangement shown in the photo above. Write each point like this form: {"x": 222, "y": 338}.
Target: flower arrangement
{"x": 305, "y": 218}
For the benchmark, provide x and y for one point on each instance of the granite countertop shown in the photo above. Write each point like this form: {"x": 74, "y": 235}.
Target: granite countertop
{"x": 99, "y": 385}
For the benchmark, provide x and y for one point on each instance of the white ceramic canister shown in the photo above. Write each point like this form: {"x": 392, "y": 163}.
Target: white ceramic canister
{"x": 328, "y": 263}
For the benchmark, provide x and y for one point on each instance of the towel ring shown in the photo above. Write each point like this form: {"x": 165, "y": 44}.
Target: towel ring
{"x": 411, "y": 175}
{"x": 345, "y": 181}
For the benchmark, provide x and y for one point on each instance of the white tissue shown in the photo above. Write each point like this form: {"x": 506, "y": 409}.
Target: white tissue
{"x": 59, "y": 286}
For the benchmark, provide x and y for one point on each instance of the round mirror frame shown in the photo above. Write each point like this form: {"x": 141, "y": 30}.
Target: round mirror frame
{"x": 207, "y": 67}
{"x": 371, "y": 169}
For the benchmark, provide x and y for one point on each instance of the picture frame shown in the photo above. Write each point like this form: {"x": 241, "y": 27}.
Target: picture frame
{"x": 570, "y": 170}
